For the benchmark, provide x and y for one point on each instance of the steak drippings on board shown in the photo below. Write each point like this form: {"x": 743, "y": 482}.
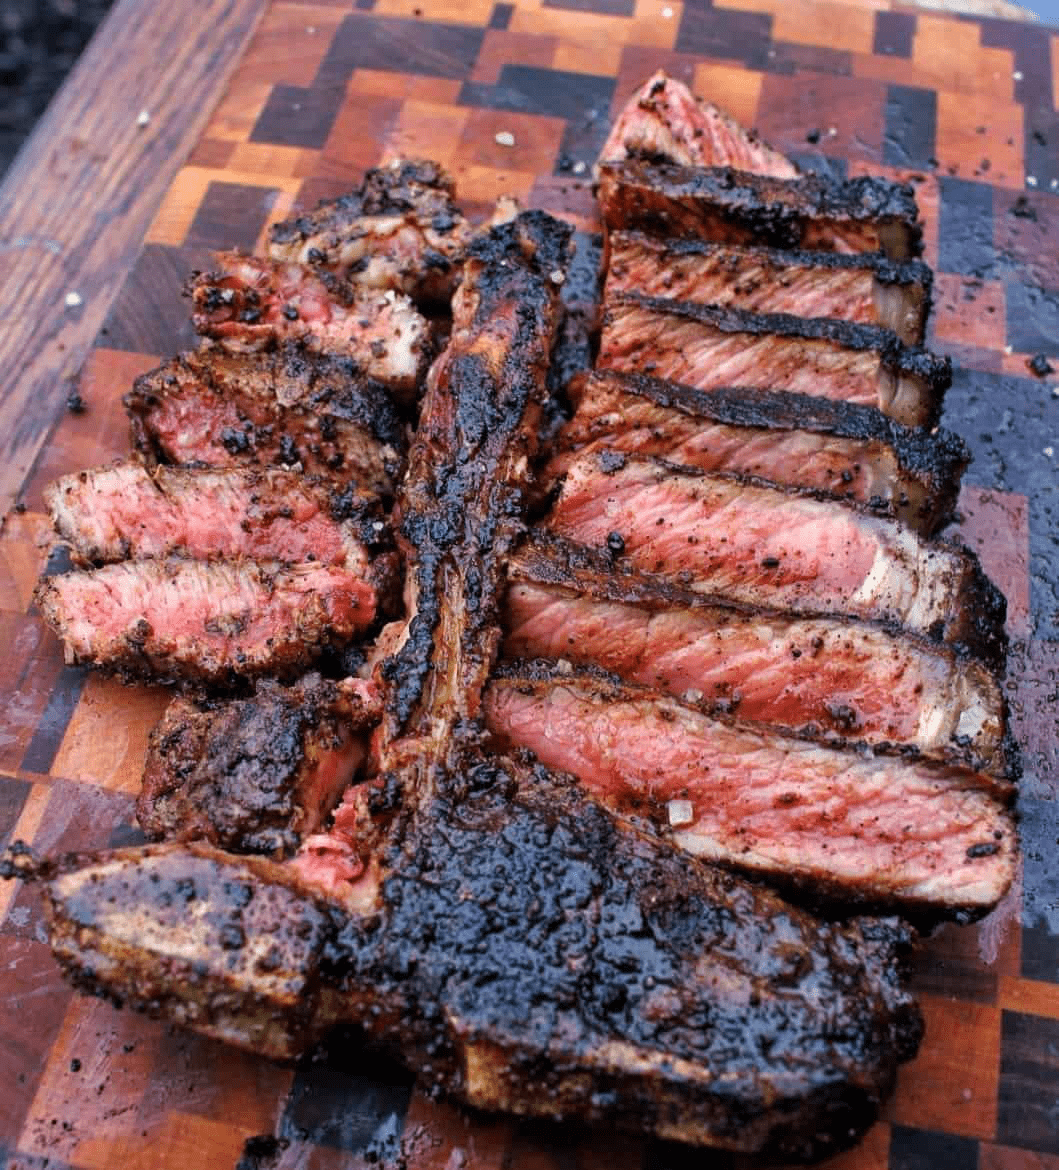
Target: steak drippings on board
{"x": 794, "y": 440}
{"x": 524, "y": 949}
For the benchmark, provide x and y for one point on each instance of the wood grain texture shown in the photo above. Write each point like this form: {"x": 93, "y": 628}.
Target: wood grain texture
{"x": 78, "y": 199}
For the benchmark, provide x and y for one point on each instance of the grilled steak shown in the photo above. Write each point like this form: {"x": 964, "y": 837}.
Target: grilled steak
{"x": 400, "y": 230}
{"x": 879, "y": 829}
{"x": 523, "y": 948}
{"x": 707, "y": 347}
{"x": 285, "y": 407}
{"x": 734, "y": 207}
{"x": 255, "y": 775}
{"x": 851, "y": 451}
{"x": 830, "y": 677}
{"x": 122, "y": 511}
{"x": 214, "y": 621}
{"x": 865, "y": 288}
{"x": 250, "y": 303}
{"x": 759, "y": 545}
{"x": 664, "y": 121}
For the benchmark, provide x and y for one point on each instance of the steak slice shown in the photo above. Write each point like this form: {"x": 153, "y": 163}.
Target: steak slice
{"x": 706, "y": 347}
{"x": 734, "y": 207}
{"x": 865, "y": 288}
{"x": 250, "y": 303}
{"x": 212, "y": 622}
{"x": 760, "y": 545}
{"x": 832, "y": 678}
{"x": 664, "y": 121}
{"x": 400, "y": 229}
{"x": 851, "y": 451}
{"x": 877, "y": 829}
{"x": 255, "y": 775}
{"x": 284, "y": 407}
{"x": 124, "y": 511}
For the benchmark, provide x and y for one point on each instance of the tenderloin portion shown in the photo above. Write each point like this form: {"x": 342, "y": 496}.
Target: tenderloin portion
{"x": 864, "y": 288}
{"x": 665, "y": 122}
{"x": 255, "y": 775}
{"x": 213, "y": 622}
{"x": 877, "y": 829}
{"x": 759, "y": 545}
{"x": 706, "y": 348}
{"x": 284, "y": 407}
{"x": 400, "y": 229}
{"x": 832, "y": 678}
{"x": 853, "y": 452}
{"x": 734, "y": 207}
{"x": 250, "y": 303}
{"x": 122, "y": 511}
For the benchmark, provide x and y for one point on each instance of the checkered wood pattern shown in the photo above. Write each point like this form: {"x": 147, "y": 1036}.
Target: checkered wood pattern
{"x": 964, "y": 108}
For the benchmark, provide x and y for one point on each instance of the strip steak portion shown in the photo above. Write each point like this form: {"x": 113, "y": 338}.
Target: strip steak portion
{"x": 853, "y": 452}
{"x": 759, "y": 545}
{"x": 865, "y": 288}
{"x": 727, "y": 206}
{"x": 833, "y": 678}
{"x": 282, "y": 407}
{"x": 707, "y": 348}
{"x": 881, "y": 830}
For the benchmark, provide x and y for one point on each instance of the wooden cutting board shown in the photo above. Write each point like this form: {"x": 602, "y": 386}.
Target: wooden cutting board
{"x": 964, "y": 108}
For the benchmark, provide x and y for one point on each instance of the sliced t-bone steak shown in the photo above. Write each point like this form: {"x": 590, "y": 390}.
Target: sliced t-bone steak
{"x": 664, "y": 120}
{"x": 707, "y": 347}
{"x": 206, "y": 621}
{"x": 760, "y": 545}
{"x": 876, "y": 828}
{"x": 733, "y": 207}
{"x": 851, "y": 451}
{"x": 256, "y": 775}
{"x": 866, "y": 288}
{"x": 249, "y": 303}
{"x": 284, "y": 407}
{"x": 400, "y": 229}
{"x": 831, "y": 677}
{"x": 125, "y": 511}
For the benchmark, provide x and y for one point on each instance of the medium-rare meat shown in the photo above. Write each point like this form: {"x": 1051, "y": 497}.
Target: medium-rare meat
{"x": 249, "y": 303}
{"x": 255, "y": 775}
{"x": 399, "y": 229}
{"x": 760, "y": 545}
{"x": 865, "y": 288}
{"x": 524, "y": 949}
{"x": 286, "y": 407}
{"x": 795, "y": 440}
{"x": 733, "y": 207}
{"x": 830, "y": 677}
{"x": 707, "y": 347}
{"x": 207, "y": 621}
{"x": 664, "y": 121}
{"x": 124, "y": 511}
{"x": 882, "y": 829}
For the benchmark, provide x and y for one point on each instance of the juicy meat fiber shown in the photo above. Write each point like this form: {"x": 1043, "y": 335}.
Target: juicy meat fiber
{"x": 255, "y": 775}
{"x": 759, "y": 545}
{"x": 123, "y": 511}
{"x": 399, "y": 230}
{"x": 865, "y": 288}
{"x": 831, "y": 677}
{"x": 853, "y": 452}
{"x": 664, "y": 121}
{"x": 875, "y": 829}
{"x": 707, "y": 347}
{"x": 250, "y": 303}
{"x": 726, "y": 206}
{"x": 281, "y": 408}
{"x": 210, "y": 621}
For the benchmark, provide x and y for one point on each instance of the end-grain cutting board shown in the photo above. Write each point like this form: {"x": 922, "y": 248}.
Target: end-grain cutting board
{"x": 964, "y": 108}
